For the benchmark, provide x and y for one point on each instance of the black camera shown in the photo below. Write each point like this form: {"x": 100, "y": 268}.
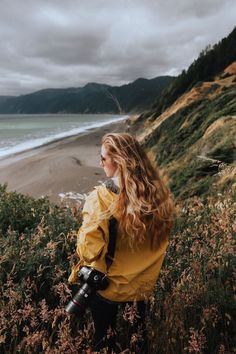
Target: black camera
{"x": 92, "y": 280}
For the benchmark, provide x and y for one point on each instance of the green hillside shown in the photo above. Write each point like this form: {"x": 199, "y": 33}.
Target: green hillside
{"x": 92, "y": 98}
{"x": 193, "y": 140}
{"x": 193, "y": 157}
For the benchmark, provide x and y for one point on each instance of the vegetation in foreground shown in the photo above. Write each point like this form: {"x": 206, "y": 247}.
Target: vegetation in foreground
{"x": 193, "y": 309}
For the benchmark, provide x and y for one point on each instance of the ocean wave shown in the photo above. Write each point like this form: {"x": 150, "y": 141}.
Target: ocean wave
{"x": 37, "y": 142}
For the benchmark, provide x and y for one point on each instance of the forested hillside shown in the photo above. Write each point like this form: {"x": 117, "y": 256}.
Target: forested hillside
{"x": 92, "y": 98}
{"x": 211, "y": 61}
{"x": 193, "y": 139}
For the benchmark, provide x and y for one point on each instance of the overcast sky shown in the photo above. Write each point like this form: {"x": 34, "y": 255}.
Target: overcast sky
{"x": 55, "y": 43}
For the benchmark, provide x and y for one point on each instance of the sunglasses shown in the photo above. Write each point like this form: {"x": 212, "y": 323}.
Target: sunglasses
{"x": 102, "y": 159}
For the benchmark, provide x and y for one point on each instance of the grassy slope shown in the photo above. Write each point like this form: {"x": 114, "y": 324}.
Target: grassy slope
{"x": 194, "y": 139}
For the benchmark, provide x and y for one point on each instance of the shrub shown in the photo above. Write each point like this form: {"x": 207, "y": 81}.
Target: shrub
{"x": 192, "y": 309}
{"x": 36, "y": 242}
{"x": 194, "y": 303}
{"x": 20, "y": 212}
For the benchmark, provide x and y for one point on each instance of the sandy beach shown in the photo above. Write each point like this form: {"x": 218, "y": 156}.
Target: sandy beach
{"x": 68, "y": 165}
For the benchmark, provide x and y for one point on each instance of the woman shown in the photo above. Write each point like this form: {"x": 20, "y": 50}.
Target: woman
{"x": 142, "y": 205}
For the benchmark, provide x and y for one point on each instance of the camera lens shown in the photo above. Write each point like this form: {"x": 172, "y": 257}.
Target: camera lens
{"x": 80, "y": 301}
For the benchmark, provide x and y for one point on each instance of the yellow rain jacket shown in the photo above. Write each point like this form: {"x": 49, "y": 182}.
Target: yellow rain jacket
{"x": 133, "y": 273}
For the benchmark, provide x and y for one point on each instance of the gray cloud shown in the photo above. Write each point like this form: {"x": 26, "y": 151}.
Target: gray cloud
{"x": 55, "y": 43}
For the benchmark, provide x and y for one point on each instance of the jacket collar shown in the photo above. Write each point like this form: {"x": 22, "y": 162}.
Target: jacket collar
{"x": 111, "y": 185}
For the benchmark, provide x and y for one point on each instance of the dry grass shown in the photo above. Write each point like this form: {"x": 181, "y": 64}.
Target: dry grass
{"x": 192, "y": 310}
{"x": 204, "y": 90}
{"x": 231, "y": 69}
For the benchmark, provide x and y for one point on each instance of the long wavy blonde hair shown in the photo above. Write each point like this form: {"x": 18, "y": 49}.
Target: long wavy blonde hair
{"x": 144, "y": 201}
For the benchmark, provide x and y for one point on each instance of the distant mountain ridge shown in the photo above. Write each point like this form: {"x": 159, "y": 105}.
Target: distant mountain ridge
{"x": 92, "y": 98}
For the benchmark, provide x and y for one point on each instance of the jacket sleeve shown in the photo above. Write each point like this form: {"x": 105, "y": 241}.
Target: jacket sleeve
{"x": 93, "y": 235}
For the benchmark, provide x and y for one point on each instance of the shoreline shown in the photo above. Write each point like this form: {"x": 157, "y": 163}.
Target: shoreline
{"x": 59, "y": 137}
{"x": 70, "y": 164}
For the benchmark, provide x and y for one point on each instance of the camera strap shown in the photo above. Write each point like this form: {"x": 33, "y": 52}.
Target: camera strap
{"x": 110, "y": 185}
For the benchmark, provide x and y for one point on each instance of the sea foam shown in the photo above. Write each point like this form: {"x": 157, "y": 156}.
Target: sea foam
{"x": 37, "y": 142}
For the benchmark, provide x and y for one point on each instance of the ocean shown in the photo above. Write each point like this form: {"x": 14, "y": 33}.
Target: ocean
{"x": 22, "y": 132}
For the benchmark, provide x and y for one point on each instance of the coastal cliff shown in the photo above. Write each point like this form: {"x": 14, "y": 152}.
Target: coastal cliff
{"x": 193, "y": 137}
